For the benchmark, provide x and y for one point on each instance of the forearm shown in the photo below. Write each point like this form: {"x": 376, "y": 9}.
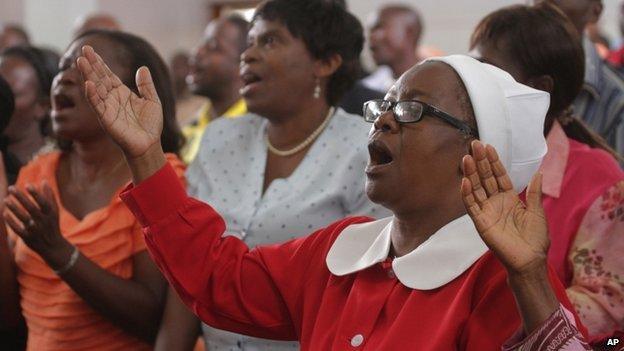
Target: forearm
{"x": 128, "y": 304}
{"x": 10, "y": 311}
{"x": 179, "y": 328}
{"x": 535, "y": 298}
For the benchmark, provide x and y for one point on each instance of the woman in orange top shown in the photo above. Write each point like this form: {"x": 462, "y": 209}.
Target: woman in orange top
{"x": 84, "y": 278}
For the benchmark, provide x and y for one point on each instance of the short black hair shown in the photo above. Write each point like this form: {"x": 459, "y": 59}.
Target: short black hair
{"x": 136, "y": 52}
{"x": 7, "y": 103}
{"x": 327, "y": 29}
{"x": 38, "y": 60}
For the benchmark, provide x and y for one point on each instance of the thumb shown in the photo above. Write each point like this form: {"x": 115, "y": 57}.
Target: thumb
{"x": 534, "y": 194}
{"x": 145, "y": 84}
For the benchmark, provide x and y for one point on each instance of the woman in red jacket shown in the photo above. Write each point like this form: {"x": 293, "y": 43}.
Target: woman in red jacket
{"x": 422, "y": 278}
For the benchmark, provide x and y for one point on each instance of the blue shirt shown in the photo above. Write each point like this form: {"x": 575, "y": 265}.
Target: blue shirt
{"x": 328, "y": 184}
{"x": 600, "y": 103}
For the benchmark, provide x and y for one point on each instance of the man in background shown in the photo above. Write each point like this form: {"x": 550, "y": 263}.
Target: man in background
{"x": 394, "y": 37}
{"x": 187, "y": 103}
{"x": 214, "y": 74}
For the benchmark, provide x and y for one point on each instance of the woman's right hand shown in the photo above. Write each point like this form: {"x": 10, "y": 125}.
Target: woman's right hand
{"x": 134, "y": 122}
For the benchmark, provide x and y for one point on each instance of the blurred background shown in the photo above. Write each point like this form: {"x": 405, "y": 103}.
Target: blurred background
{"x": 177, "y": 25}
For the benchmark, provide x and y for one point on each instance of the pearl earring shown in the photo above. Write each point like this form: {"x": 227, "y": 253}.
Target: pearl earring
{"x": 317, "y": 89}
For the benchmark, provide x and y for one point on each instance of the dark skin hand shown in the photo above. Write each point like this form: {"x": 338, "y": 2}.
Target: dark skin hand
{"x": 515, "y": 232}
{"x": 33, "y": 216}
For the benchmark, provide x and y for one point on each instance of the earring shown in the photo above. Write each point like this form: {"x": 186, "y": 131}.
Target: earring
{"x": 317, "y": 89}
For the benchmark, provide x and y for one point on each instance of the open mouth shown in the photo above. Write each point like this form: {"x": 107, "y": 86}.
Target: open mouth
{"x": 61, "y": 102}
{"x": 379, "y": 154}
{"x": 250, "y": 78}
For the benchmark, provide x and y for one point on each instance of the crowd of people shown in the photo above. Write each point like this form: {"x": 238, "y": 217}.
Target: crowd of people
{"x": 264, "y": 192}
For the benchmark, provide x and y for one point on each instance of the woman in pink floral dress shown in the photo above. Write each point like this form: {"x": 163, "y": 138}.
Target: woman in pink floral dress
{"x": 583, "y": 185}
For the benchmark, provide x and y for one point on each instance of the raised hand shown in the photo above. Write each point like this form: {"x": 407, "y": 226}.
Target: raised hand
{"x": 134, "y": 122}
{"x": 517, "y": 234}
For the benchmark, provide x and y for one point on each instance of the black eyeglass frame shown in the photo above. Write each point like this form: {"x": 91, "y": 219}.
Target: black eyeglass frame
{"x": 427, "y": 109}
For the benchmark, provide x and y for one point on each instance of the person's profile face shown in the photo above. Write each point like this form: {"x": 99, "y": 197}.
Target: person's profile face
{"x": 412, "y": 164}
{"x": 215, "y": 60}
{"x": 386, "y": 37}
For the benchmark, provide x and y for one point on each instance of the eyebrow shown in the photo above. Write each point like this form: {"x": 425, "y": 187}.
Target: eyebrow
{"x": 412, "y": 92}
{"x": 275, "y": 32}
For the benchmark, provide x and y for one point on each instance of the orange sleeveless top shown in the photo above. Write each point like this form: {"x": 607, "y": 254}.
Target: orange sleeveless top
{"x": 57, "y": 318}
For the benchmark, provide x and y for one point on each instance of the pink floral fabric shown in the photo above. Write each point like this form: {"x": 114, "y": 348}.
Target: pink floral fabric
{"x": 597, "y": 257}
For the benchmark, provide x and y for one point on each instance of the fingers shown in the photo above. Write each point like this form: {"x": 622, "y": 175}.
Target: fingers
{"x": 534, "y": 194}
{"x": 145, "y": 84}
{"x": 41, "y": 199}
{"x": 23, "y": 200}
{"x": 502, "y": 178}
{"x": 94, "y": 98}
{"x": 17, "y": 211}
{"x": 86, "y": 69}
{"x": 18, "y": 228}
{"x": 49, "y": 194}
{"x": 469, "y": 200}
{"x": 472, "y": 207}
{"x": 483, "y": 168}
{"x": 470, "y": 172}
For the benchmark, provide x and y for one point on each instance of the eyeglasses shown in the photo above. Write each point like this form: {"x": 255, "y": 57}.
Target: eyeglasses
{"x": 411, "y": 111}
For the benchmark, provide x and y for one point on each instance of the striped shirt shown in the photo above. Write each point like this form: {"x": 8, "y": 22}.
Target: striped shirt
{"x": 601, "y": 100}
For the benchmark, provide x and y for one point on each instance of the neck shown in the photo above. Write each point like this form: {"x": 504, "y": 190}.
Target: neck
{"x": 404, "y": 63}
{"x": 27, "y": 144}
{"x": 95, "y": 156}
{"x": 288, "y": 129}
{"x": 225, "y": 99}
{"x": 411, "y": 229}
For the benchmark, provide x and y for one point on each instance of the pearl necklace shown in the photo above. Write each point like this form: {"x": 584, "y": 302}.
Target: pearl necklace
{"x": 304, "y": 144}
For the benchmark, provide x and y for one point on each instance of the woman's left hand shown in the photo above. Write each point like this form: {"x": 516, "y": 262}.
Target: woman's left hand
{"x": 34, "y": 218}
{"x": 515, "y": 232}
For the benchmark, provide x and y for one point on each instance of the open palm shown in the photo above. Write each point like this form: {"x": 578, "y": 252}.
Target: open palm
{"x": 517, "y": 234}
{"x": 134, "y": 122}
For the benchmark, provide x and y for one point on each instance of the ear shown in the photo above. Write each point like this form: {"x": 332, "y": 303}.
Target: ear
{"x": 327, "y": 67}
{"x": 543, "y": 83}
{"x": 595, "y": 11}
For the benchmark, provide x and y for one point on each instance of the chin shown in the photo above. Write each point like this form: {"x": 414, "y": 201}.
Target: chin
{"x": 258, "y": 106}
{"x": 376, "y": 192}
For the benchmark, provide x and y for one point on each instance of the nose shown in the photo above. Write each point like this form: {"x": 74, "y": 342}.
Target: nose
{"x": 67, "y": 76}
{"x": 386, "y": 123}
{"x": 249, "y": 55}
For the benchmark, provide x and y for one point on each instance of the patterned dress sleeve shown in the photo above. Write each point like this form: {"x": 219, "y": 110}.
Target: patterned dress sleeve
{"x": 596, "y": 255}
{"x": 558, "y": 332}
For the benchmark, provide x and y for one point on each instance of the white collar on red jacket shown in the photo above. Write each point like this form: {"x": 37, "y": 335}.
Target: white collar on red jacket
{"x": 443, "y": 257}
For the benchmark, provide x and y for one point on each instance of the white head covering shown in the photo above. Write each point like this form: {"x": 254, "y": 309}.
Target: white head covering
{"x": 510, "y": 116}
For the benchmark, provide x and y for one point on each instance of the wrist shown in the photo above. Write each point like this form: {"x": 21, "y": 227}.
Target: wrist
{"x": 146, "y": 164}
{"x": 58, "y": 257}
